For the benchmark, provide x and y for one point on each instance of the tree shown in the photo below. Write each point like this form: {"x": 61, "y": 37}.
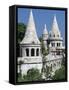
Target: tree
{"x": 32, "y": 75}
{"x": 21, "y": 27}
{"x": 59, "y": 74}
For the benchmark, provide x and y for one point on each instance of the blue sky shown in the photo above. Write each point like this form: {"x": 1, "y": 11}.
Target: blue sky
{"x": 41, "y": 17}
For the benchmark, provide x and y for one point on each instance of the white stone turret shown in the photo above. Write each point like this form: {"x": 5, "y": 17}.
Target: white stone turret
{"x": 45, "y": 36}
{"x": 30, "y": 35}
{"x": 30, "y": 48}
{"x": 55, "y": 36}
{"x": 55, "y": 32}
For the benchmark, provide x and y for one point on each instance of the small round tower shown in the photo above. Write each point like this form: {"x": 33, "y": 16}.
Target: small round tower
{"x": 55, "y": 38}
{"x": 45, "y": 36}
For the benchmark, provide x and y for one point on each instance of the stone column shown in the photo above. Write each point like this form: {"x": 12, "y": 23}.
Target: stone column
{"x": 35, "y": 52}
{"x": 55, "y": 52}
{"x": 29, "y": 52}
{"x": 23, "y": 52}
{"x": 39, "y": 52}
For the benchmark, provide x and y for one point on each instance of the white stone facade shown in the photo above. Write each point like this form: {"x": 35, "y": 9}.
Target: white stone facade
{"x": 29, "y": 63}
{"x": 54, "y": 62}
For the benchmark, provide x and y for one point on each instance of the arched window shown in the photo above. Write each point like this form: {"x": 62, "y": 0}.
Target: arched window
{"x": 54, "y": 35}
{"x": 27, "y": 52}
{"x": 58, "y": 35}
{"x": 32, "y": 52}
{"x": 58, "y": 44}
{"x": 53, "y": 44}
{"x": 37, "y": 52}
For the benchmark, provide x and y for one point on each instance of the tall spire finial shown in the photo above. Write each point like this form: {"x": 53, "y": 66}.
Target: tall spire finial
{"x": 45, "y": 30}
{"x": 55, "y": 27}
{"x": 55, "y": 20}
{"x": 31, "y": 24}
{"x": 45, "y": 26}
{"x": 31, "y": 14}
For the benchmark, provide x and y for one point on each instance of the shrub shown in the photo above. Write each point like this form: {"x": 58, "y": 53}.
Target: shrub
{"x": 59, "y": 74}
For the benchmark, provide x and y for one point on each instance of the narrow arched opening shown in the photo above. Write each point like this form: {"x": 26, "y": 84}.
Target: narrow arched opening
{"x": 37, "y": 52}
{"x": 32, "y": 52}
{"x": 27, "y": 52}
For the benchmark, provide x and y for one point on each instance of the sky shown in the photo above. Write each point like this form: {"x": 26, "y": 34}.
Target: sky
{"x": 42, "y": 17}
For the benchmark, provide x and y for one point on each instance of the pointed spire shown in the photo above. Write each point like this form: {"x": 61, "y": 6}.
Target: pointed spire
{"x": 45, "y": 30}
{"x": 31, "y": 35}
{"x": 31, "y": 24}
{"x": 55, "y": 27}
{"x": 55, "y": 20}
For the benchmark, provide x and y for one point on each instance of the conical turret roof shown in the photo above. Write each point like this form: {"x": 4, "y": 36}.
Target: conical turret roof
{"x": 30, "y": 35}
{"x": 55, "y": 29}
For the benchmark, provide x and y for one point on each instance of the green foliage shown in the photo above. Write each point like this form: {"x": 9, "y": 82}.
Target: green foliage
{"x": 32, "y": 75}
{"x": 59, "y": 74}
{"x": 19, "y": 77}
{"x": 21, "y": 31}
